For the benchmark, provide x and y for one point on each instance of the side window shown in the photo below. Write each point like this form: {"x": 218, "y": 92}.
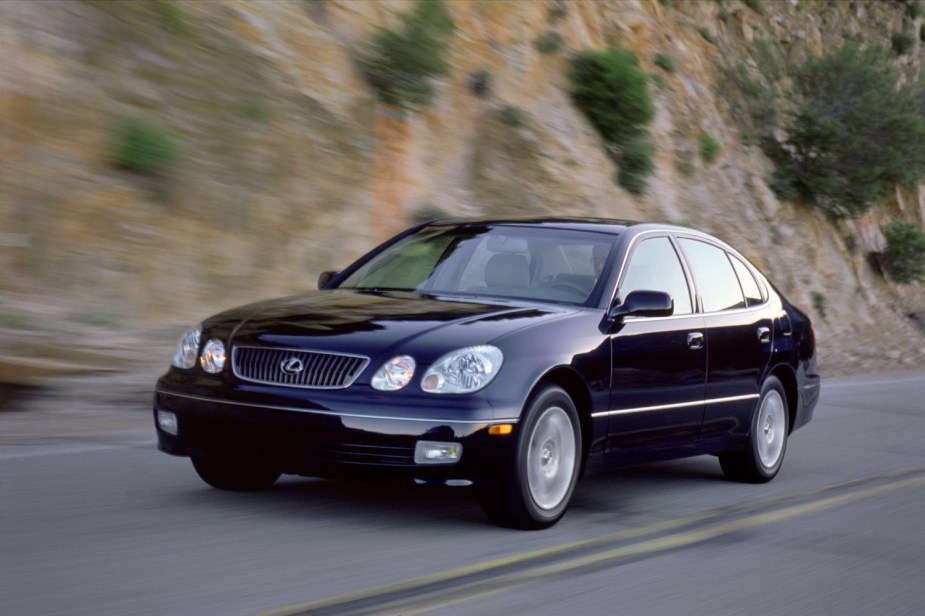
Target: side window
{"x": 747, "y": 280}
{"x": 713, "y": 274}
{"x": 654, "y": 266}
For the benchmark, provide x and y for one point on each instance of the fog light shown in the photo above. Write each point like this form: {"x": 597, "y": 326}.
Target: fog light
{"x": 430, "y": 452}
{"x": 167, "y": 422}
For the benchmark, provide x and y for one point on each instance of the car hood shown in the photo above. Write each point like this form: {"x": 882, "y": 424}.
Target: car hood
{"x": 377, "y": 323}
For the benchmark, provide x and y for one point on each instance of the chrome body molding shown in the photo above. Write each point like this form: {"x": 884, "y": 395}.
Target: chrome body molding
{"x": 679, "y": 405}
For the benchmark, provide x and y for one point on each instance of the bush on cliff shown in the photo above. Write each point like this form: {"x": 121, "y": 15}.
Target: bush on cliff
{"x": 402, "y": 63}
{"x": 611, "y": 89}
{"x": 853, "y": 134}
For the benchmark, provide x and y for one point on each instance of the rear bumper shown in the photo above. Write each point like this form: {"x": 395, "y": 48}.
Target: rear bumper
{"x": 326, "y": 444}
{"x": 808, "y": 393}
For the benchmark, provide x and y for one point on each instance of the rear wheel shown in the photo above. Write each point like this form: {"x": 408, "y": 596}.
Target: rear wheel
{"x": 538, "y": 483}
{"x": 764, "y": 452}
{"x": 234, "y": 474}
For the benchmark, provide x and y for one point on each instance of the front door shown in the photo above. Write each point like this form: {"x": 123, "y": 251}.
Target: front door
{"x": 658, "y": 363}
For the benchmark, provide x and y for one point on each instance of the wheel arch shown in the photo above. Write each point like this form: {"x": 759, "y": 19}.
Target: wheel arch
{"x": 788, "y": 379}
{"x": 575, "y": 387}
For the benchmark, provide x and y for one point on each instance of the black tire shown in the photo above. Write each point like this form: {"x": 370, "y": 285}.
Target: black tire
{"x": 764, "y": 452}
{"x": 235, "y": 475}
{"x": 539, "y": 479}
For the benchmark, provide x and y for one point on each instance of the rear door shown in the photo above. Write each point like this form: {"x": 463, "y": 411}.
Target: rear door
{"x": 739, "y": 331}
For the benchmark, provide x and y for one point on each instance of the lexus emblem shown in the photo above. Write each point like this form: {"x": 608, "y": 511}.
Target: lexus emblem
{"x": 292, "y": 365}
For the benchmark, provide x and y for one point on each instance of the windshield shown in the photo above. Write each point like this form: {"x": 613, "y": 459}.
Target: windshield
{"x": 558, "y": 265}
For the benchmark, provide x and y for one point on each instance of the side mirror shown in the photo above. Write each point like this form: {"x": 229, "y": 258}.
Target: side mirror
{"x": 325, "y": 278}
{"x": 644, "y": 304}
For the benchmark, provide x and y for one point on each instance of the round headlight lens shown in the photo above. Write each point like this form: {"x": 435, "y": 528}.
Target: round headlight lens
{"x": 212, "y": 359}
{"x": 463, "y": 371}
{"x": 394, "y": 374}
{"x": 187, "y": 349}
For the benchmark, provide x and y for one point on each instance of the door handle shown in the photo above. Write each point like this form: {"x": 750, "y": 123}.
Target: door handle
{"x": 764, "y": 335}
{"x": 695, "y": 340}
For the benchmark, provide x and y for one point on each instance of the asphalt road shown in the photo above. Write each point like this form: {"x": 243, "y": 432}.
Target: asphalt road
{"x": 93, "y": 520}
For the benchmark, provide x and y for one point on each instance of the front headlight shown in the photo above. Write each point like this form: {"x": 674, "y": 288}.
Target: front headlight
{"x": 212, "y": 359}
{"x": 394, "y": 374}
{"x": 463, "y": 371}
{"x": 187, "y": 349}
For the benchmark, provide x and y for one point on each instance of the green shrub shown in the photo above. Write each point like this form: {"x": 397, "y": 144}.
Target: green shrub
{"x": 480, "y": 83}
{"x": 636, "y": 162}
{"x": 782, "y": 186}
{"x": 664, "y": 62}
{"x": 253, "y": 110}
{"x": 96, "y": 316}
{"x": 819, "y": 304}
{"x": 760, "y": 92}
{"x": 428, "y": 212}
{"x": 902, "y": 42}
{"x": 853, "y": 133}
{"x": 611, "y": 89}
{"x": 709, "y": 148}
{"x": 515, "y": 116}
{"x": 548, "y": 42}
{"x": 557, "y": 10}
{"x": 707, "y": 35}
{"x": 737, "y": 75}
{"x": 171, "y": 16}
{"x": 143, "y": 146}
{"x": 904, "y": 256}
{"x": 768, "y": 57}
{"x": 749, "y": 139}
{"x": 917, "y": 9}
{"x": 685, "y": 166}
{"x": 401, "y": 63}
{"x": 20, "y": 321}
{"x": 756, "y": 5}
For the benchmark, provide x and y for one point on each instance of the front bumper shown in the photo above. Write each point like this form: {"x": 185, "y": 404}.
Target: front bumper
{"x": 322, "y": 443}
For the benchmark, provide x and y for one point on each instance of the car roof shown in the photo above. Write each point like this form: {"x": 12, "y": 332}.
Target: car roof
{"x": 600, "y": 225}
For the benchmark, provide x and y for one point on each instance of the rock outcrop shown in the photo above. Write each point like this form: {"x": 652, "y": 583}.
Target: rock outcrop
{"x": 289, "y": 165}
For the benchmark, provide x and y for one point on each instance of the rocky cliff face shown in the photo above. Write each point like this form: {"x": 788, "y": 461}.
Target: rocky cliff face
{"x": 289, "y": 165}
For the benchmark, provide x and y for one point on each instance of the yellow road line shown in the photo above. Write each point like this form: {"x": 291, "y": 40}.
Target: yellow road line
{"x": 660, "y": 544}
{"x": 666, "y": 542}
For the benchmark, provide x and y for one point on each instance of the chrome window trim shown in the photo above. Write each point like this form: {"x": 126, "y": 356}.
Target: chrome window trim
{"x": 644, "y": 235}
{"x": 631, "y": 319}
{"x": 717, "y": 243}
{"x": 677, "y": 405}
{"x": 674, "y": 235}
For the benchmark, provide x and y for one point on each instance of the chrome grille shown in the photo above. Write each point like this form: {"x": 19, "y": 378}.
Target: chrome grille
{"x": 309, "y": 369}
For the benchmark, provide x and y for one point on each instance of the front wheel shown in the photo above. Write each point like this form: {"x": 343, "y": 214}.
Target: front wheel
{"x": 538, "y": 484}
{"x": 761, "y": 459}
{"x": 235, "y": 474}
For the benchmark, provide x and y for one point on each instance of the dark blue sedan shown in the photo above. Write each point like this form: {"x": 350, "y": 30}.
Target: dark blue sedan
{"x": 511, "y": 354}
